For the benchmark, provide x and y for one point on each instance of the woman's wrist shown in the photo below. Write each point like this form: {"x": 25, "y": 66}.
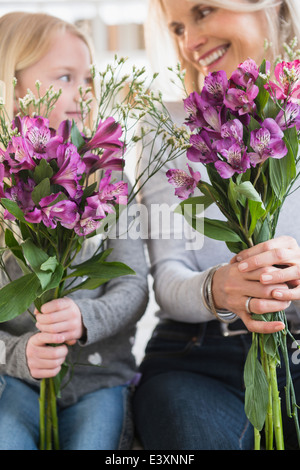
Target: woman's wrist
{"x": 223, "y": 315}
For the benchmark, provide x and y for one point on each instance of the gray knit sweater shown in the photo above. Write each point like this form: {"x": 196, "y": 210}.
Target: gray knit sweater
{"x": 179, "y": 260}
{"x": 109, "y": 313}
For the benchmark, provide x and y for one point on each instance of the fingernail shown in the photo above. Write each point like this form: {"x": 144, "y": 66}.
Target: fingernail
{"x": 280, "y": 327}
{"x": 239, "y": 258}
{"x": 243, "y": 266}
{"x": 277, "y": 293}
{"x": 266, "y": 277}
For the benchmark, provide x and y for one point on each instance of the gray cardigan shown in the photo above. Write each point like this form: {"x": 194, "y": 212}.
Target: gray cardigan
{"x": 181, "y": 258}
{"x": 109, "y": 313}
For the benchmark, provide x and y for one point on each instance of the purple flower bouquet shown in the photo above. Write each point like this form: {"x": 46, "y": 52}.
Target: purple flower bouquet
{"x": 59, "y": 187}
{"x": 245, "y": 131}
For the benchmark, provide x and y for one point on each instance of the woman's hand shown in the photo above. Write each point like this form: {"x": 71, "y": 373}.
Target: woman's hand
{"x": 61, "y": 316}
{"x": 278, "y": 262}
{"x": 232, "y": 288}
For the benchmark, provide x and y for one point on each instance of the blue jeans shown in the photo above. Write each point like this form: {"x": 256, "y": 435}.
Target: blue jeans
{"x": 98, "y": 421}
{"x": 191, "y": 396}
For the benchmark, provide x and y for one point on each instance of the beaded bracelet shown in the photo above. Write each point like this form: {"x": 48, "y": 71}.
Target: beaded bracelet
{"x": 221, "y": 314}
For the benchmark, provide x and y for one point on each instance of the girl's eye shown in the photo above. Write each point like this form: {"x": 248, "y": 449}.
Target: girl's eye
{"x": 65, "y": 78}
{"x": 88, "y": 81}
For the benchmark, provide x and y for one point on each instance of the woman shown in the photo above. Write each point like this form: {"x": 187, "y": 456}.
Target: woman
{"x": 94, "y": 408}
{"x": 192, "y": 394}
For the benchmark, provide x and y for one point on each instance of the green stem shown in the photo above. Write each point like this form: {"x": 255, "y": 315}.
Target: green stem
{"x": 276, "y": 405}
{"x": 256, "y": 439}
{"x": 269, "y": 431}
{"x": 42, "y": 403}
{"x": 48, "y": 419}
{"x": 54, "y": 414}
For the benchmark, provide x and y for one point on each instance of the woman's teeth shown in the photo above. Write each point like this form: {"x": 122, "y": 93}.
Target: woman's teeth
{"x": 213, "y": 57}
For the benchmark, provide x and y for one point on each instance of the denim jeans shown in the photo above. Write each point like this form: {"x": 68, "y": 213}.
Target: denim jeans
{"x": 98, "y": 421}
{"x": 191, "y": 396}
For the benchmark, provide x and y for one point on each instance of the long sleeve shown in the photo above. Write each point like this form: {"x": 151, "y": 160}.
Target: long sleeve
{"x": 123, "y": 300}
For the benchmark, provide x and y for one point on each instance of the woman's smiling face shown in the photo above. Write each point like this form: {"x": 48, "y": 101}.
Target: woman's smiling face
{"x": 212, "y": 38}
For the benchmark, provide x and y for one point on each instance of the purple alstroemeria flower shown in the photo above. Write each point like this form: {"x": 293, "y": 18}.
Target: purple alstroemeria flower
{"x": 248, "y": 70}
{"x": 64, "y": 130}
{"x": 213, "y": 120}
{"x": 214, "y": 88}
{"x": 193, "y": 106}
{"x": 242, "y": 101}
{"x": 267, "y": 142}
{"x": 287, "y": 76}
{"x": 238, "y": 161}
{"x": 38, "y": 135}
{"x": 110, "y": 194}
{"x": 91, "y": 217}
{"x": 18, "y": 155}
{"x": 109, "y": 159}
{"x": 289, "y": 117}
{"x": 2, "y": 175}
{"x": 185, "y": 184}
{"x": 70, "y": 171}
{"x": 50, "y": 213}
{"x": 21, "y": 194}
{"x": 231, "y": 132}
{"x": 201, "y": 149}
{"x": 107, "y": 136}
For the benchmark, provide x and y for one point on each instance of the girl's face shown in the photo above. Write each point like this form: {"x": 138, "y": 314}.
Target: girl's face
{"x": 66, "y": 66}
{"x": 211, "y": 38}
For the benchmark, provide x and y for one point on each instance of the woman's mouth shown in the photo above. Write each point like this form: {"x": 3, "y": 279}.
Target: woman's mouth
{"x": 210, "y": 58}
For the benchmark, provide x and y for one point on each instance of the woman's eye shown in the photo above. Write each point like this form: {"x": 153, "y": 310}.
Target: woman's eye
{"x": 203, "y": 12}
{"x": 178, "y": 30}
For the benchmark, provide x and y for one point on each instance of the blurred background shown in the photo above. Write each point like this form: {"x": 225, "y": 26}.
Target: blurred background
{"x": 116, "y": 27}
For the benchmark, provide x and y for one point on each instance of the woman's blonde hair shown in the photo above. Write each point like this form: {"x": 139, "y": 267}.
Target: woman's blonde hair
{"x": 283, "y": 27}
{"x": 24, "y": 40}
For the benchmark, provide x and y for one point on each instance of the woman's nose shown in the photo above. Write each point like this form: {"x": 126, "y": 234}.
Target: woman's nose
{"x": 194, "y": 38}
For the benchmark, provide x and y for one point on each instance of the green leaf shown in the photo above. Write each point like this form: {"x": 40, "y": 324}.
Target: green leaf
{"x": 256, "y": 396}
{"x": 247, "y": 189}
{"x": 16, "y": 250}
{"x": 41, "y": 190}
{"x": 103, "y": 270}
{"x": 17, "y": 296}
{"x": 194, "y": 205}
{"x": 282, "y": 172}
{"x": 76, "y": 137}
{"x": 40, "y": 262}
{"x": 99, "y": 258}
{"x": 89, "y": 190}
{"x": 219, "y": 230}
{"x": 42, "y": 171}
{"x": 13, "y": 209}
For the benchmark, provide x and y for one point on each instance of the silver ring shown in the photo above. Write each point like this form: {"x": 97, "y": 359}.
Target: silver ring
{"x": 247, "y": 305}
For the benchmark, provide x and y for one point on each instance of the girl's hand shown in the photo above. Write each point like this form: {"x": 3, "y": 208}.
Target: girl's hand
{"x": 232, "y": 288}
{"x": 45, "y": 361}
{"x": 61, "y": 316}
{"x": 278, "y": 262}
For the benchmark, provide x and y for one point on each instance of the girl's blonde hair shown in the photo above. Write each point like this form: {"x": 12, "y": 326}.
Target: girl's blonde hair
{"x": 283, "y": 27}
{"x": 24, "y": 40}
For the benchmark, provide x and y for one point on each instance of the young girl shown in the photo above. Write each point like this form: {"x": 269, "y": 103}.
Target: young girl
{"x": 94, "y": 408}
{"x": 192, "y": 391}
